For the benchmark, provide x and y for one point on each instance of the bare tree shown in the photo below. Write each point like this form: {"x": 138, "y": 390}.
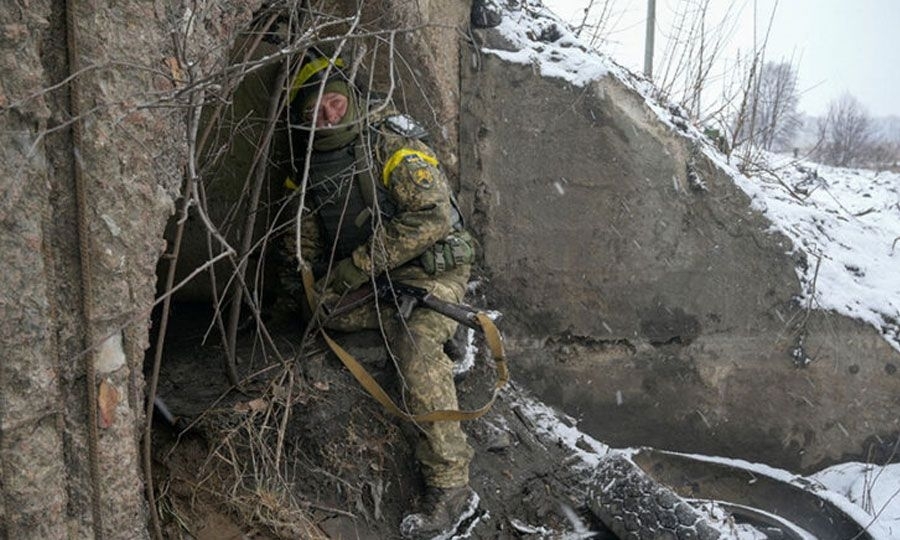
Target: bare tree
{"x": 599, "y": 22}
{"x": 846, "y": 133}
{"x": 693, "y": 47}
{"x": 885, "y": 151}
{"x": 773, "y": 107}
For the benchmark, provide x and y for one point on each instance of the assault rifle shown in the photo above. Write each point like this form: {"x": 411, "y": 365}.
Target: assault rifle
{"x": 405, "y": 298}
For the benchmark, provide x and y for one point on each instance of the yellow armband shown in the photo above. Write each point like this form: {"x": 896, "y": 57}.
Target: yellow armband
{"x": 405, "y": 154}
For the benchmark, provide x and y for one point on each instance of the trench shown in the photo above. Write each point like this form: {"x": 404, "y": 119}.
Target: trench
{"x": 514, "y": 459}
{"x": 728, "y": 389}
{"x": 698, "y": 390}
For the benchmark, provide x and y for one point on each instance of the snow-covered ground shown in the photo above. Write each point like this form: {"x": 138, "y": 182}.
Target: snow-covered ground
{"x": 845, "y": 226}
{"x": 870, "y": 494}
{"x": 541, "y": 39}
{"x": 845, "y": 223}
{"x": 874, "y": 489}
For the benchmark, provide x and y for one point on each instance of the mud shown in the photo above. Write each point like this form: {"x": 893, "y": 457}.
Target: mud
{"x": 346, "y": 466}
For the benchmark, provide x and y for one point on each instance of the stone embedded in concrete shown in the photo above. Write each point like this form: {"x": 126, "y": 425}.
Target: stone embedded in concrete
{"x": 110, "y": 355}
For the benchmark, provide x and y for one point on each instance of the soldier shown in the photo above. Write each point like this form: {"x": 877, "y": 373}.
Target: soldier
{"x": 377, "y": 203}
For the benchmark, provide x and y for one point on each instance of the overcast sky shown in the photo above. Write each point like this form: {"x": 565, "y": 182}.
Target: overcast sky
{"x": 837, "y": 45}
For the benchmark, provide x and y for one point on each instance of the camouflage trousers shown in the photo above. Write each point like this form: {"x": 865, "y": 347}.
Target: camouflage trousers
{"x": 426, "y": 373}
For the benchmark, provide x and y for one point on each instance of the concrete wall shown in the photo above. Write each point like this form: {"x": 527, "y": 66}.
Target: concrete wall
{"x": 131, "y": 158}
{"x": 428, "y": 65}
{"x": 657, "y": 312}
{"x": 133, "y": 96}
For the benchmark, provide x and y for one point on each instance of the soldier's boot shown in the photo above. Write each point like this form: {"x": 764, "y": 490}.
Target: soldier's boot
{"x": 443, "y": 511}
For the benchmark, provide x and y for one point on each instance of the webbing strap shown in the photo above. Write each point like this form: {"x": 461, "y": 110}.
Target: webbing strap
{"x": 365, "y": 178}
{"x": 491, "y": 335}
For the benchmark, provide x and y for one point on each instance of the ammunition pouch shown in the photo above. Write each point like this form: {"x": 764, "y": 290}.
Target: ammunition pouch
{"x": 455, "y": 250}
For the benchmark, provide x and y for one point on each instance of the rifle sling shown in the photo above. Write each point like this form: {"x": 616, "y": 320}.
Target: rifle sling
{"x": 491, "y": 335}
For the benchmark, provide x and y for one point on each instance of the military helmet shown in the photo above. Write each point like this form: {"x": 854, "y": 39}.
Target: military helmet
{"x": 320, "y": 73}
{"x": 316, "y": 67}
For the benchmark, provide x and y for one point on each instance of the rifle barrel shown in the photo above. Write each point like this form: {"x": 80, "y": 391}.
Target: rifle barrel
{"x": 454, "y": 311}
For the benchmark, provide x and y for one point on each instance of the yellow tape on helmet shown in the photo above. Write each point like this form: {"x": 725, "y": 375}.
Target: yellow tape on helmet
{"x": 309, "y": 69}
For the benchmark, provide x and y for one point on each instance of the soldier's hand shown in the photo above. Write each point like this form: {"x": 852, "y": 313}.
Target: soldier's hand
{"x": 346, "y": 276}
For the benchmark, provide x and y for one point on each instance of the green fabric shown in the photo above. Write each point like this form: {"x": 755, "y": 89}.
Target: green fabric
{"x": 422, "y": 217}
{"x": 345, "y": 276}
{"x": 426, "y": 373}
{"x": 342, "y": 134}
{"x": 309, "y": 93}
{"x": 456, "y": 249}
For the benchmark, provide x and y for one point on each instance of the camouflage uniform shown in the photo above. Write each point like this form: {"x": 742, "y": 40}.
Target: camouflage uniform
{"x": 422, "y": 216}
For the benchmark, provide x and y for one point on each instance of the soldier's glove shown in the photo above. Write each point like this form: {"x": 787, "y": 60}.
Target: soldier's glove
{"x": 346, "y": 276}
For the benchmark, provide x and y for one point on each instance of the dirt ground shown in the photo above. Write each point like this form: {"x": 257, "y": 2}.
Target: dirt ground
{"x": 337, "y": 466}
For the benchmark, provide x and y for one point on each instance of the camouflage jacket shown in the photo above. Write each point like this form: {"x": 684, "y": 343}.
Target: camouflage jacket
{"x": 407, "y": 173}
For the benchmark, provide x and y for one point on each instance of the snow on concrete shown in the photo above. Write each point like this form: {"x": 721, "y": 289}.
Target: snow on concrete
{"x": 867, "y": 493}
{"x": 845, "y": 225}
{"x": 841, "y": 485}
{"x": 543, "y": 40}
{"x": 561, "y": 428}
{"x": 874, "y": 489}
{"x": 540, "y": 38}
{"x": 587, "y": 452}
{"x": 743, "y": 531}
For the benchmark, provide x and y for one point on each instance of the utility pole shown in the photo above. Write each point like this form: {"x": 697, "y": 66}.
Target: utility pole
{"x": 651, "y": 31}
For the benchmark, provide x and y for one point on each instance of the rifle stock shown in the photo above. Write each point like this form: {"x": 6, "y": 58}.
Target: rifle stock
{"x": 405, "y": 297}
{"x": 350, "y": 301}
{"x": 458, "y": 312}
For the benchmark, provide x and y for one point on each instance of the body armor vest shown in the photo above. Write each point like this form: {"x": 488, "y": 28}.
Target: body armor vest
{"x": 346, "y": 197}
{"x": 346, "y": 194}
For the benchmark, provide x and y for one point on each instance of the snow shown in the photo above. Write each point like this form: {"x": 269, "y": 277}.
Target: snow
{"x": 588, "y": 452}
{"x": 466, "y": 522}
{"x": 869, "y": 494}
{"x": 524, "y": 528}
{"x": 561, "y": 428}
{"x": 747, "y": 532}
{"x": 843, "y": 224}
{"x": 468, "y": 360}
{"x": 835, "y": 485}
{"x": 543, "y": 40}
{"x": 874, "y": 489}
